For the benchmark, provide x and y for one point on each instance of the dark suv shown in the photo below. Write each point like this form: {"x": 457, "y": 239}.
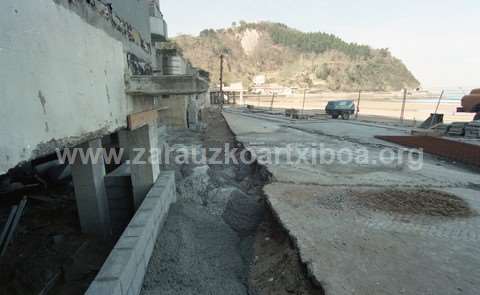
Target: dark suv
{"x": 340, "y": 108}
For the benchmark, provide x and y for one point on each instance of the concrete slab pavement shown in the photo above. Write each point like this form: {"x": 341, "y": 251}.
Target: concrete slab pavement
{"x": 355, "y": 250}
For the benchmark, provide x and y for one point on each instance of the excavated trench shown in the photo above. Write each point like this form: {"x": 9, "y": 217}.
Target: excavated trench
{"x": 220, "y": 237}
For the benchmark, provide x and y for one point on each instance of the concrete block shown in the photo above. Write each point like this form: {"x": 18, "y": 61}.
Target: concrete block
{"x": 138, "y": 280}
{"x": 133, "y": 231}
{"x": 150, "y": 245}
{"x": 141, "y": 218}
{"x": 118, "y": 185}
{"x": 139, "y": 145}
{"x": 126, "y": 243}
{"x": 104, "y": 287}
{"x": 127, "y": 264}
{"x": 90, "y": 192}
{"x": 121, "y": 266}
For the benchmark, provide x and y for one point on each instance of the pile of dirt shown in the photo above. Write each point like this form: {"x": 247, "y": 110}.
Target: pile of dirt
{"x": 416, "y": 202}
{"x": 197, "y": 254}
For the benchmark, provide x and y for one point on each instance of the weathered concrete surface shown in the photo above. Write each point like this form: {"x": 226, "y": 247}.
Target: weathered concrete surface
{"x": 166, "y": 85}
{"x": 50, "y": 92}
{"x": 136, "y": 13}
{"x": 65, "y": 92}
{"x": 258, "y": 134}
{"x": 353, "y": 250}
{"x": 359, "y": 251}
{"x": 143, "y": 168}
{"x": 91, "y": 194}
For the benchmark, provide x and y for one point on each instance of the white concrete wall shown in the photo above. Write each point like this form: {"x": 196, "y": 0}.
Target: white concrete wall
{"x": 59, "y": 78}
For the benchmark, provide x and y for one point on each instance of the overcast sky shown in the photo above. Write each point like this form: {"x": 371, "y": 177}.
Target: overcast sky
{"x": 438, "y": 40}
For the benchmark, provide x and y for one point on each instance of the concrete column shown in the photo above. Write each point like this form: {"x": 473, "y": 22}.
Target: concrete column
{"x": 90, "y": 193}
{"x": 139, "y": 146}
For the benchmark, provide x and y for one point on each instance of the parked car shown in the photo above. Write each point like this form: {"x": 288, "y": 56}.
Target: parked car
{"x": 340, "y": 108}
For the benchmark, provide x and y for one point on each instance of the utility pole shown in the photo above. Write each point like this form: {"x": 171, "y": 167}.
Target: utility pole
{"x": 358, "y": 104}
{"x": 304, "y": 98}
{"x": 402, "y": 115}
{"x": 271, "y": 104}
{"x": 434, "y": 118}
{"x": 439, "y": 102}
{"x": 221, "y": 80}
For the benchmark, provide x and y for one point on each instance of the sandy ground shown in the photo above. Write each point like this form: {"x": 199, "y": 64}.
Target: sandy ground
{"x": 387, "y": 106}
{"x": 366, "y": 247}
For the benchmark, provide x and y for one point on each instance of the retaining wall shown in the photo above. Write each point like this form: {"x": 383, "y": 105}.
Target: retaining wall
{"x": 125, "y": 268}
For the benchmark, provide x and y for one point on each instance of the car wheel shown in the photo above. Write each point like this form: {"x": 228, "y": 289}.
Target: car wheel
{"x": 345, "y": 116}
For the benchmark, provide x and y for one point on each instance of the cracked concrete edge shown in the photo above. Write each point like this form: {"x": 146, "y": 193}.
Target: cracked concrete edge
{"x": 308, "y": 264}
{"x": 125, "y": 268}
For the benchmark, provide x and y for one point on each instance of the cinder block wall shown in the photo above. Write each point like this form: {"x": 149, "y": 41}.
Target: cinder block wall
{"x": 125, "y": 268}
{"x": 118, "y": 185}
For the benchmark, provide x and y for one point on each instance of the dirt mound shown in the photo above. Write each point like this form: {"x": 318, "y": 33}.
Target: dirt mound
{"x": 416, "y": 202}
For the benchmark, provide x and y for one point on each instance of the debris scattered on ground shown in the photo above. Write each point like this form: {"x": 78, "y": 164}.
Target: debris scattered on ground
{"x": 43, "y": 255}
{"x": 416, "y": 202}
{"x": 11, "y": 226}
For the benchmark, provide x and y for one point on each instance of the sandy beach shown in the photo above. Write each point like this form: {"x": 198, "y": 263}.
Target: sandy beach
{"x": 374, "y": 106}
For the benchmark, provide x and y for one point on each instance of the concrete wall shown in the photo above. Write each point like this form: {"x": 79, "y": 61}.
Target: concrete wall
{"x": 166, "y": 85}
{"x": 125, "y": 268}
{"x": 184, "y": 111}
{"x": 62, "y": 79}
{"x": 135, "y": 12}
{"x": 176, "y": 114}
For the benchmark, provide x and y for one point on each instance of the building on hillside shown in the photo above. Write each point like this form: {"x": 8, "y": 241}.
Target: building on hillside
{"x": 259, "y": 80}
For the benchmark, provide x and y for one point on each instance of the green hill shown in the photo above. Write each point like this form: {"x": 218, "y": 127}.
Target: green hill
{"x": 294, "y": 58}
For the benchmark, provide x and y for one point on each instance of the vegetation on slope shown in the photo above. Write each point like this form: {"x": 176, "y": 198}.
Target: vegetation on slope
{"x": 294, "y": 58}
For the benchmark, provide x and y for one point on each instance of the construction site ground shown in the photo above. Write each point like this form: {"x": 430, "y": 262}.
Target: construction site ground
{"x": 220, "y": 237}
{"x": 370, "y": 228}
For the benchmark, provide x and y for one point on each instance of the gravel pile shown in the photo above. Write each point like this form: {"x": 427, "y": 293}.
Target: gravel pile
{"x": 197, "y": 253}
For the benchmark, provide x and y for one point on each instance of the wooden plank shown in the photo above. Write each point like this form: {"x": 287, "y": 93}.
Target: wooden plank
{"x": 8, "y": 224}
{"x": 16, "y": 220}
{"x": 141, "y": 119}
